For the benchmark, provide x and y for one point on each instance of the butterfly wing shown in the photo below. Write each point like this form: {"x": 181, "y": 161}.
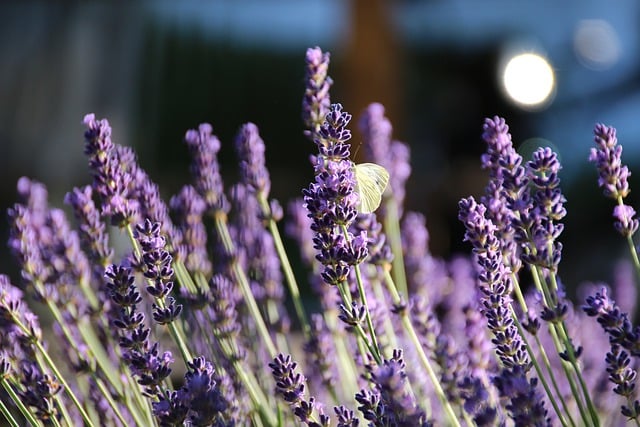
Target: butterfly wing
{"x": 372, "y": 180}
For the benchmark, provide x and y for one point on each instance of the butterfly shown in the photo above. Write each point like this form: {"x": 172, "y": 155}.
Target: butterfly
{"x": 371, "y": 181}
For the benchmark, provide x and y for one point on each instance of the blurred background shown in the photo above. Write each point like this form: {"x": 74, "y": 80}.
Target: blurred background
{"x": 156, "y": 69}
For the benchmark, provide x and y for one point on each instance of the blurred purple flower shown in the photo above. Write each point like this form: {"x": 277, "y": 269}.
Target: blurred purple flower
{"x": 316, "y": 100}
{"x": 111, "y": 173}
{"x": 607, "y": 155}
{"x": 204, "y": 148}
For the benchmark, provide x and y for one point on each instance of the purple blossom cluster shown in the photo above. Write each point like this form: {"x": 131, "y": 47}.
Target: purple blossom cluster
{"x": 142, "y": 312}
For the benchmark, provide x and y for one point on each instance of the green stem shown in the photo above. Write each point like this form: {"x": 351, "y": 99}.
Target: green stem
{"x": 408, "y": 327}
{"x": 363, "y": 296}
{"x": 290, "y": 279}
{"x": 114, "y": 405}
{"x": 563, "y": 332}
{"x": 64, "y": 383}
{"x": 392, "y": 228}
{"x": 7, "y": 415}
{"x": 286, "y": 266}
{"x": 541, "y": 285}
{"x": 372, "y": 333}
{"x": 241, "y": 279}
{"x": 538, "y": 369}
{"x": 543, "y": 354}
{"x": 18, "y": 402}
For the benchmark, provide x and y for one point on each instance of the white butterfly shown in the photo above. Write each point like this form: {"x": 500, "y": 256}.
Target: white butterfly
{"x": 371, "y": 181}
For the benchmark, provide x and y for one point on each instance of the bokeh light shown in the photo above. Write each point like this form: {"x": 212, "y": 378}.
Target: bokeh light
{"x": 529, "y": 80}
{"x": 596, "y": 44}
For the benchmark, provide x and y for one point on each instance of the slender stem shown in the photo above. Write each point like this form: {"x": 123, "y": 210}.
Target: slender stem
{"x": 113, "y": 404}
{"x": 220, "y": 219}
{"x": 543, "y": 354}
{"x": 424, "y": 360}
{"x": 372, "y": 331}
{"x": 540, "y": 285}
{"x": 363, "y": 296}
{"x": 406, "y": 323}
{"x": 388, "y": 326}
{"x": 346, "y": 364}
{"x": 7, "y": 415}
{"x": 64, "y": 383}
{"x": 538, "y": 369}
{"x": 362, "y": 336}
{"x": 563, "y": 332}
{"x": 392, "y": 228}
{"x": 286, "y": 265}
{"x": 18, "y": 402}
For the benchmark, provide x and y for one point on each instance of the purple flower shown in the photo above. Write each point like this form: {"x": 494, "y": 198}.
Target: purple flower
{"x": 156, "y": 267}
{"x": 205, "y": 402}
{"x": 93, "y": 235}
{"x": 624, "y": 377}
{"x": 625, "y": 222}
{"x": 376, "y": 131}
{"x": 377, "y": 247}
{"x": 495, "y": 286}
{"x": 250, "y": 148}
{"x": 624, "y": 340}
{"x": 320, "y": 352}
{"x": 614, "y": 321}
{"x": 139, "y": 353}
{"x": 543, "y": 248}
{"x": 331, "y": 200}
{"x": 224, "y": 296}
{"x": 400, "y": 407}
{"x": 316, "y": 101}
{"x": 48, "y": 250}
{"x": 290, "y": 386}
{"x": 204, "y": 148}
{"x": 257, "y": 254}
{"x": 607, "y": 155}
{"x": 346, "y": 417}
{"x": 477, "y": 402}
{"x": 170, "y": 409}
{"x": 13, "y": 311}
{"x": 299, "y": 228}
{"x": 19, "y": 328}
{"x": 379, "y": 148}
{"x": 188, "y": 207}
{"x": 112, "y": 181}
{"x": 506, "y": 196}
{"x": 39, "y": 390}
{"x": 526, "y": 407}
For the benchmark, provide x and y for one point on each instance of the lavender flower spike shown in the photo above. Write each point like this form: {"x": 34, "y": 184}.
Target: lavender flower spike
{"x": 156, "y": 263}
{"x": 290, "y": 386}
{"x": 250, "y": 148}
{"x": 331, "y": 200}
{"x": 189, "y": 208}
{"x": 141, "y": 355}
{"x": 112, "y": 181}
{"x": 315, "y": 103}
{"x": 607, "y": 155}
{"x": 496, "y": 286}
{"x": 204, "y": 147}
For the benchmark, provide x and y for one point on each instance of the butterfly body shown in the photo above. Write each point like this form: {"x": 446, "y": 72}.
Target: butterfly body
{"x": 371, "y": 180}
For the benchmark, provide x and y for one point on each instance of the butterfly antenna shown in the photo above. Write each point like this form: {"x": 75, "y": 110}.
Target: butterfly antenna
{"x": 355, "y": 154}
